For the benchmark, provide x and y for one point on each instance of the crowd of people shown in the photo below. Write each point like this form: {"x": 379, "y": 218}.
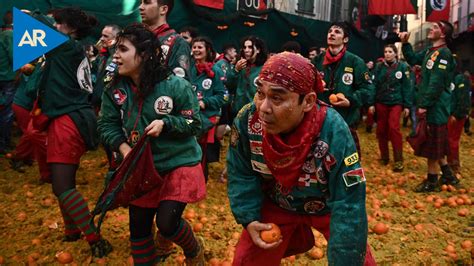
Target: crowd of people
{"x": 293, "y": 157}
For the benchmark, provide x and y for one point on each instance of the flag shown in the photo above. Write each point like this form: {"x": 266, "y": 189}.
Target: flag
{"x": 437, "y": 10}
{"x": 216, "y": 4}
{"x": 392, "y": 7}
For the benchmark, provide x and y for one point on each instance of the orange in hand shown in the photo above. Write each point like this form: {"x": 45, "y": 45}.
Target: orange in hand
{"x": 333, "y": 98}
{"x": 340, "y": 96}
{"x": 272, "y": 235}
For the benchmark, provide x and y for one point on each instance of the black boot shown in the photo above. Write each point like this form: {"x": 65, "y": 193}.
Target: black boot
{"x": 448, "y": 178}
{"x": 428, "y": 185}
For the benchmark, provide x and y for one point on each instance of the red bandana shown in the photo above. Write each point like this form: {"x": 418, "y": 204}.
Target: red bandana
{"x": 331, "y": 59}
{"x": 285, "y": 156}
{"x": 437, "y": 47}
{"x": 293, "y": 72}
{"x": 163, "y": 30}
{"x": 205, "y": 67}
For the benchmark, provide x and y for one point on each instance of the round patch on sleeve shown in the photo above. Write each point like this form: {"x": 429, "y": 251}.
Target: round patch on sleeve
{"x": 206, "y": 84}
{"x": 429, "y": 64}
{"x": 347, "y": 78}
{"x": 398, "y": 75}
{"x": 163, "y": 105}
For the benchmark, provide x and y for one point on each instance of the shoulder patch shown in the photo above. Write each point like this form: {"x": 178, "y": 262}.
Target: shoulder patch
{"x": 354, "y": 177}
{"x": 351, "y": 159}
{"x": 442, "y": 66}
{"x": 348, "y": 69}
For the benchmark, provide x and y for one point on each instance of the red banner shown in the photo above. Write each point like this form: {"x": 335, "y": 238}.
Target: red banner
{"x": 437, "y": 10}
{"x": 216, "y": 4}
{"x": 392, "y": 7}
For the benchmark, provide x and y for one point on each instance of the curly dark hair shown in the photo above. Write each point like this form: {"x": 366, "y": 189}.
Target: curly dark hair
{"x": 76, "y": 19}
{"x": 148, "y": 47}
{"x": 210, "y": 52}
{"x": 344, "y": 26}
{"x": 260, "y": 45}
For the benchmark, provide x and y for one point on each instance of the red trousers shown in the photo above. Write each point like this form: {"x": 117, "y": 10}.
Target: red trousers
{"x": 296, "y": 233}
{"x": 455, "y": 128}
{"x": 32, "y": 143}
{"x": 388, "y": 128}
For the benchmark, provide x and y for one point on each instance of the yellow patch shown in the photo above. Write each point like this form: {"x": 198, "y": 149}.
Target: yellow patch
{"x": 461, "y": 85}
{"x": 352, "y": 159}
{"x": 442, "y": 66}
{"x": 434, "y": 55}
{"x": 407, "y": 73}
{"x": 348, "y": 69}
{"x": 367, "y": 76}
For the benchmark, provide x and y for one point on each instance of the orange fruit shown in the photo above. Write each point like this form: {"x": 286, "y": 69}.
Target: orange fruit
{"x": 272, "y": 235}
{"x": 333, "y": 98}
{"x": 341, "y": 95}
{"x": 64, "y": 257}
{"x": 380, "y": 228}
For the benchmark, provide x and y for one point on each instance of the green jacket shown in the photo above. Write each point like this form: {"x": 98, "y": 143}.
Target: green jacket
{"x": 460, "y": 98}
{"x": 437, "y": 73}
{"x": 6, "y": 56}
{"x": 226, "y": 67}
{"x": 178, "y": 59}
{"x": 242, "y": 85}
{"x": 393, "y": 85}
{"x": 211, "y": 91}
{"x": 172, "y": 101}
{"x": 351, "y": 77}
{"x": 332, "y": 181}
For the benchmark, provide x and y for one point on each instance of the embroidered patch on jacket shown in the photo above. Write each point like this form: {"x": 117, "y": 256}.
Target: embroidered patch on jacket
{"x": 321, "y": 149}
{"x": 314, "y": 206}
{"x": 347, "y": 78}
{"x": 348, "y": 69}
{"x": 329, "y": 162}
{"x": 163, "y": 105}
{"x": 321, "y": 176}
{"x": 305, "y": 180}
{"x": 442, "y": 66}
{"x": 398, "y": 74}
{"x": 256, "y": 147}
{"x": 429, "y": 64}
{"x": 354, "y": 177}
{"x": 119, "y": 96}
{"x": 206, "y": 84}
{"x": 260, "y": 167}
{"x": 351, "y": 159}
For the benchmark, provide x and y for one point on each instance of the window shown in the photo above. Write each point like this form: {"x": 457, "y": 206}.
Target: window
{"x": 305, "y": 6}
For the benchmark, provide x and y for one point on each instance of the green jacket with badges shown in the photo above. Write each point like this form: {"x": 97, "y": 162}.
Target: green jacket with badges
{"x": 461, "y": 99}
{"x": 173, "y": 101}
{"x": 392, "y": 84}
{"x": 332, "y": 181}
{"x": 178, "y": 59}
{"x": 226, "y": 67}
{"x": 351, "y": 77}
{"x": 242, "y": 85}
{"x": 436, "y": 76}
{"x": 211, "y": 91}
{"x": 6, "y": 56}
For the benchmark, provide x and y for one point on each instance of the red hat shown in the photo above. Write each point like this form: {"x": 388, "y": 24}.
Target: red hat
{"x": 293, "y": 72}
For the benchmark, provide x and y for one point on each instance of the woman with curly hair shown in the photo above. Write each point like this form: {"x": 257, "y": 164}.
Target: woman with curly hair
{"x": 146, "y": 98}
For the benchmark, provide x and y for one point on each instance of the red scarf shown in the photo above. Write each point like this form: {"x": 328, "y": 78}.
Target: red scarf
{"x": 331, "y": 59}
{"x": 286, "y": 156}
{"x": 205, "y": 67}
{"x": 437, "y": 47}
{"x": 163, "y": 30}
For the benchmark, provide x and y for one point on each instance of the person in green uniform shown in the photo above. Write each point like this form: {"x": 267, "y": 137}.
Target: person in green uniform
{"x": 7, "y": 86}
{"x": 434, "y": 100}
{"x": 346, "y": 76}
{"x": 103, "y": 61}
{"x": 241, "y": 79}
{"x": 292, "y": 162}
{"x": 207, "y": 80}
{"x": 146, "y": 98}
{"x": 177, "y": 51}
{"x": 62, "y": 109}
{"x": 460, "y": 107}
{"x": 392, "y": 97}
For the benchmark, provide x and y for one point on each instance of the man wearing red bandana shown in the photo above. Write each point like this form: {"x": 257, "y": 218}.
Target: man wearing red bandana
{"x": 346, "y": 76}
{"x": 292, "y": 162}
{"x": 433, "y": 103}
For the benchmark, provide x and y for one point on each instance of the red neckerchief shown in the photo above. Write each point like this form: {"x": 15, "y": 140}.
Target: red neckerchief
{"x": 104, "y": 52}
{"x": 248, "y": 68}
{"x": 221, "y": 56}
{"x": 437, "y": 47}
{"x": 331, "y": 59}
{"x": 205, "y": 67}
{"x": 163, "y": 30}
{"x": 286, "y": 156}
